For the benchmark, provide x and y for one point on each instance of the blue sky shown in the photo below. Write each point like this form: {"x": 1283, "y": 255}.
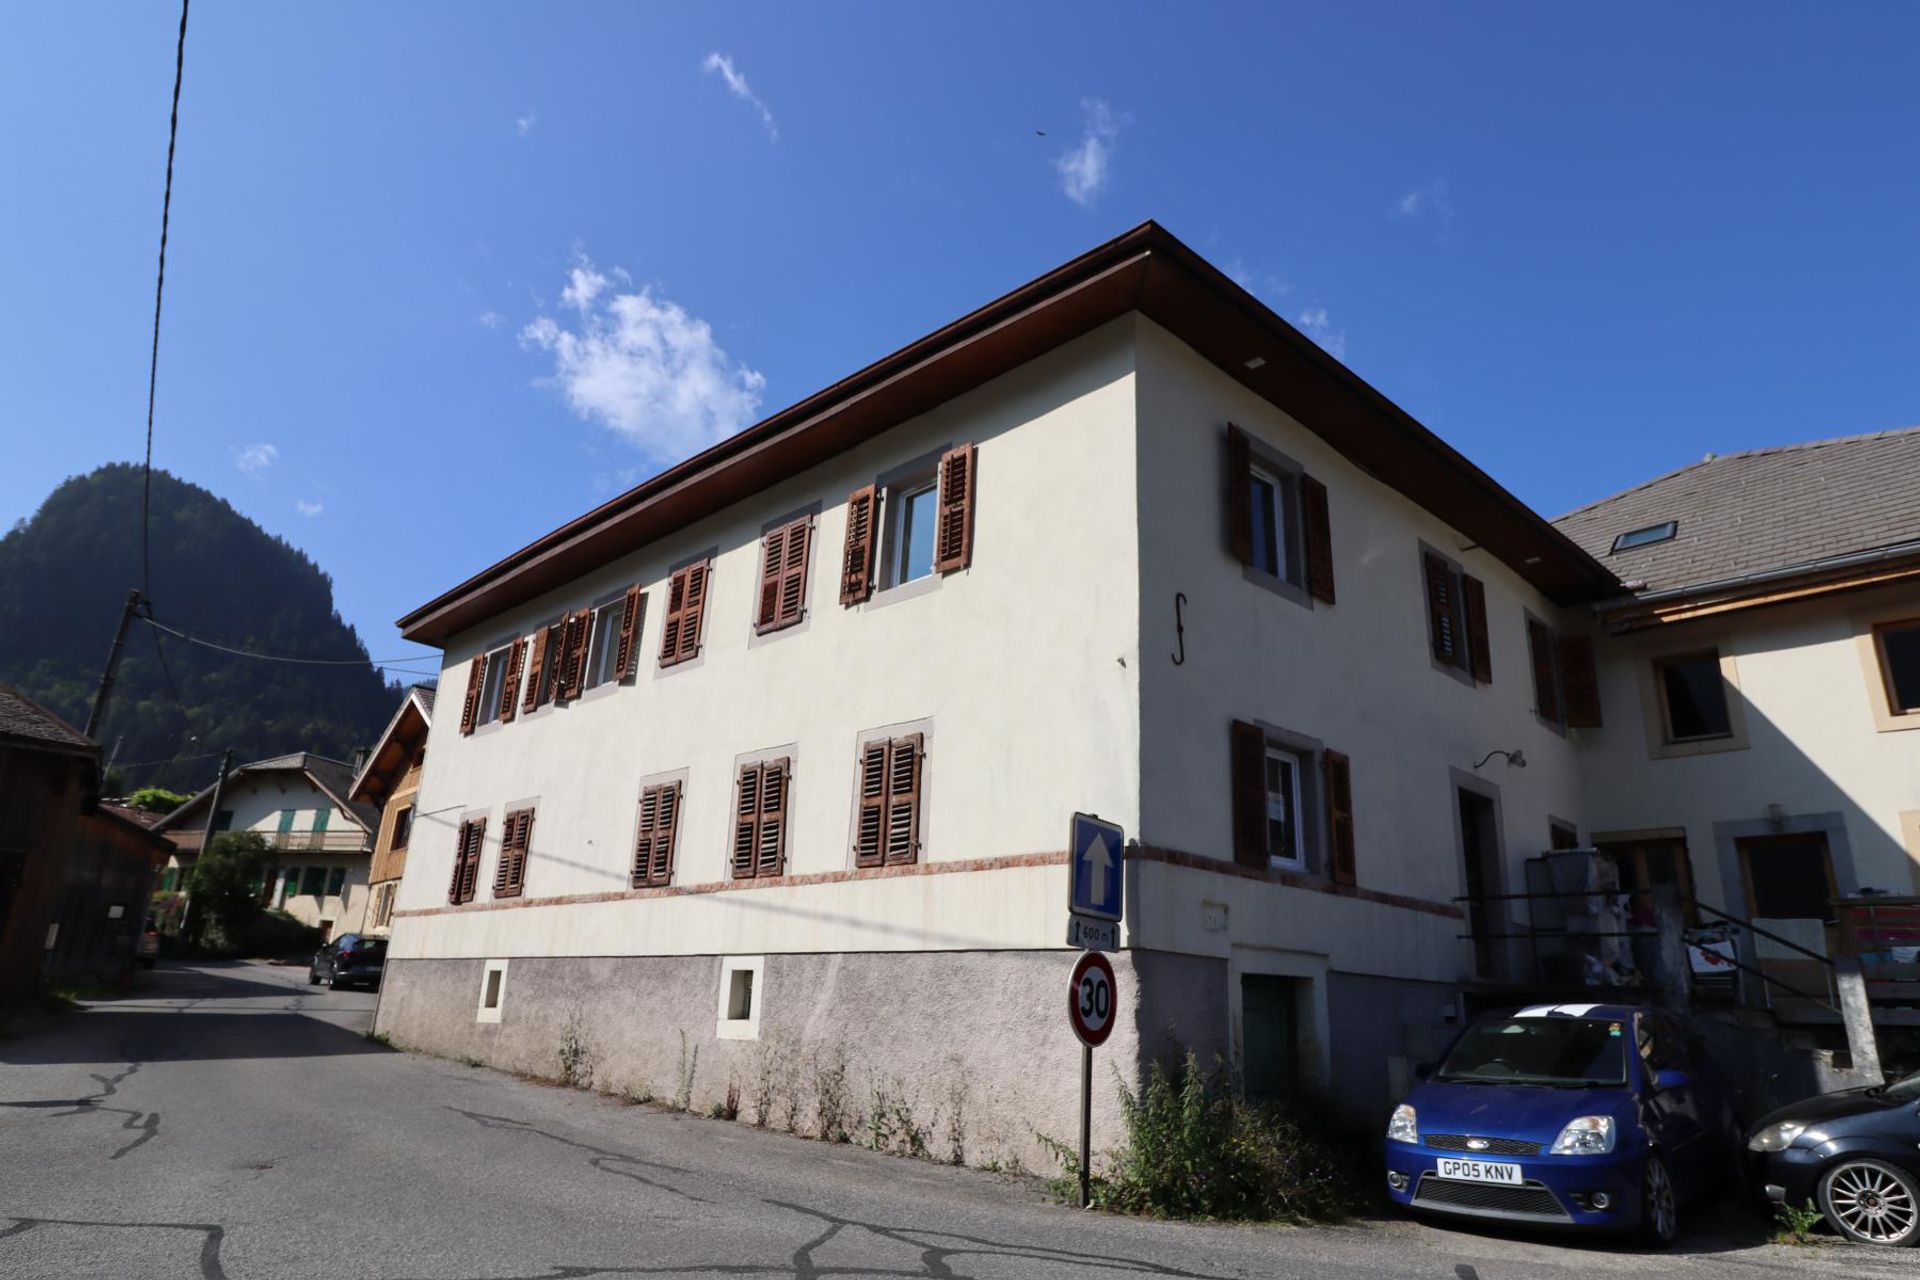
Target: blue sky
{"x": 442, "y": 276}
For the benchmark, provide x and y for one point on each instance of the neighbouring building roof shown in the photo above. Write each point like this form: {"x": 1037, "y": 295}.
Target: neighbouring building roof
{"x": 1146, "y": 270}
{"x": 334, "y": 777}
{"x": 127, "y": 813}
{"x": 25, "y": 723}
{"x": 396, "y": 747}
{"x": 1762, "y": 511}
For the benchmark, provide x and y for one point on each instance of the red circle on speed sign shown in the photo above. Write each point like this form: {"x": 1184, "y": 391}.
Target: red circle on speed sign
{"x": 1092, "y": 999}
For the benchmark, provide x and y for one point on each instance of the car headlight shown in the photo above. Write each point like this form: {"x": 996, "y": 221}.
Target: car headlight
{"x": 1776, "y": 1137}
{"x": 1587, "y": 1136}
{"x": 1403, "y": 1127}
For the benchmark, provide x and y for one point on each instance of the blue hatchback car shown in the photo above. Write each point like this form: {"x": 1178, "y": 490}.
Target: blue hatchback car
{"x": 1598, "y": 1116}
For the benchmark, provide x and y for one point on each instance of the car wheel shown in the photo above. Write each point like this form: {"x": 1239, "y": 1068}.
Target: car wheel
{"x": 1659, "y": 1206}
{"x": 313, "y": 977}
{"x": 1872, "y": 1202}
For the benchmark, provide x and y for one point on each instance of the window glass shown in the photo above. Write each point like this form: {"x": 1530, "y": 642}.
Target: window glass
{"x": 918, "y": 510}
{"x": 1696, "y": 698}
{"x": 402, "y": 828}
{"x": 312, "y": 881}
{"x": 606, "y": 642}
{"x": 336, "y": 881}
{"x": 1788, "y": 877}
{"x": 1900, "y": 654}
{"x": 1266, "y": 526}
{"x": 1551, "y": 1050}
{"x": 490, "y": 686}
{"x": 1283, "y": 806}
{"x": 1645, "y": 537}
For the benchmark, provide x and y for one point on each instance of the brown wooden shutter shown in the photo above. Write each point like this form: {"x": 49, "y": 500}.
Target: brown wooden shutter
{"x": 870, "y": 827}
{"x": 666, "y": 831}
{"x": 905, "y": 758}
{"x": 953, "y": 538}
{"x": 773, "y": 562}
{"x": 1439, "y": 576}
{"x": 466, "y": 860}
{"x": 1540, "y": 648}
{"x": 746, "y": 820}
{"x": 1249, "y": 794}
{"x": 476, "y": 677}
{"x": 510, "y": 686}
{"x": 643, "y": 839}
{"x": 516, "y": 834}
{"x": 1239, "y": 495}
{"x": 578, "y": 647}
{"x": 1318, "y": 526}
{"x": 686, "y": 602}
{"x": 1339, "y": 777}
{"x": 856, "y": 564}
{"x": 629, "y": 632}
{"x": 770, "y": 852}
{"x": 676, "y": 618}
{"x": 1580, "y": 684}
{"x": 563, "y": 657}
{"x": 1473, "y": 597}
{"x": 536, "y": 668}
{"x": 793, "y": 574}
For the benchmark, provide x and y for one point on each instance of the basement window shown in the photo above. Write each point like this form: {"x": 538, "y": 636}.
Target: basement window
{"x": 493, "y": 991}
{"x": 740, "y": 998}
{"x": 1646, "y": 537}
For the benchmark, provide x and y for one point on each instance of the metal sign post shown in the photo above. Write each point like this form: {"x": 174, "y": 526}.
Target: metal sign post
{"x": 1091, "y": 1000}
{"x": 1096, "y": 888}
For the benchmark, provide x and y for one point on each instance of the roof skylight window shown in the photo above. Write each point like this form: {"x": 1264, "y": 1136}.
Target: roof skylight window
{"x": 1646, "y": 537}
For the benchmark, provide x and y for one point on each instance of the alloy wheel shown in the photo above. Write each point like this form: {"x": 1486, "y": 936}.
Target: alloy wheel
{"x": 1660, "y": 1210}
{"x": 1872, "y": 1203}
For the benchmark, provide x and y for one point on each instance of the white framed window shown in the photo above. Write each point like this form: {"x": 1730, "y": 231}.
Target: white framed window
{"x": 911, "y": 511}
{"x": 489, "y": 709}
{"x": 1286, "y": 836}
{"x": 740, "y": 997}
{"x": 493, "y": 991}
{"x": 1274, "y": 505}
{"x": 603, "y": 650}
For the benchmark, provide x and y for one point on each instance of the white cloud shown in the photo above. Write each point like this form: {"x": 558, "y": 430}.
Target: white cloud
{"x": 491, "y": 319}
{"x": 1431, "y": 201}
{"x": 738, "y": 87}
{"x": 639, "y": 364}
{"x": 1315, "y": 323}
{"x": 1264, "y": 285}
{"x": 523, "y": 125}
{"x": 1085, "y": 169}
{"x": 253, "y": 459}
{"x": 306, "y": 508}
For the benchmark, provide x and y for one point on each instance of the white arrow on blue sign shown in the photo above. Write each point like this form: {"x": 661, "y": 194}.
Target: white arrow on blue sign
{"x": 1096, "y": 849}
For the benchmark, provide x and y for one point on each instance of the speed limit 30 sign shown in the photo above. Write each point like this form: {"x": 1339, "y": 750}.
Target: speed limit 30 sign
{"x": 1092, "y": 999}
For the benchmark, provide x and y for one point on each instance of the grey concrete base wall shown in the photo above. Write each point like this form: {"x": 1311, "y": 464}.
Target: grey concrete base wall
{"x": 1379, "y": 1029}
{"x": 971, "y": 1050}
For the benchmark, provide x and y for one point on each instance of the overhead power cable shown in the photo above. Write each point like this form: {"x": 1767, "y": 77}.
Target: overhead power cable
{"x": 159, "y": 288}
{"x": 239, "y": 652}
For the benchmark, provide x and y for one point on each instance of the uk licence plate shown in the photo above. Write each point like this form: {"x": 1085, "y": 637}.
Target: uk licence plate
{"x": 1478, "y": 1171}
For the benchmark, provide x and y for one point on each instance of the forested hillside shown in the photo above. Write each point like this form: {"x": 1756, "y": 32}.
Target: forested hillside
{"x": 65, "y": 573}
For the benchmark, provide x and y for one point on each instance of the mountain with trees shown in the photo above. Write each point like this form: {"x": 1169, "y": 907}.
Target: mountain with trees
{"x": 64, "y": 577}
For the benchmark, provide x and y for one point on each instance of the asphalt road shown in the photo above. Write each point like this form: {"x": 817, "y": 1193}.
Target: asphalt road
{"x": 230, "y": 1121}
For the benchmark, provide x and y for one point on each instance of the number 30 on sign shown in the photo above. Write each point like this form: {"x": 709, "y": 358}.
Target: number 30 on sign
{"x": 1092, "y": 999}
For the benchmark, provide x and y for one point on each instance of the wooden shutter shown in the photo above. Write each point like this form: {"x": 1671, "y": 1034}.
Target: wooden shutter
{"x": 629, "y": 633}
{"x": 563, "y": 656}
{"x": 466, "y": 860}
{"x": 686, "y": 602}
{"x": 516, "y": 834}
{"x": 783, "y": 575}
{"x": 536, "y": 668}
{"x": 1540, "y": 647}
{"x": 870, "y": 827}
{"x": 1579, "y": 682}
{"x": 953, "y": 538}
{"x": 476, "y": 677}
{"x": 659, "y": 825}
{"x": 904, "y": 760}
{"x": 1239, "y": 495}
{"x": 1473, "y": 597}
{"x": 1249, "y": 794}
{"x": 1439, "y": 576}
{"x": 773, "y": 561}
{"x": 573, "y": 673}
{"x": 771, "y": 848}
{"x": 856, "y": 564}
{"x": 1339, "y": 777}
{"x": 1318, "y": 528}
{"x": 746, "y": 820}
{"x": 510, "y": 686}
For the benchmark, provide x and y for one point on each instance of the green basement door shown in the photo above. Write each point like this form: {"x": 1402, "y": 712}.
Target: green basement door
{"x": 1270, "y": 1036}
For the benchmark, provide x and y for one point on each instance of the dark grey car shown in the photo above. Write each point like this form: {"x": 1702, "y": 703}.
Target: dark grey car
{"x": 350, "y": 960}
{"x": 1855, "y": 1155}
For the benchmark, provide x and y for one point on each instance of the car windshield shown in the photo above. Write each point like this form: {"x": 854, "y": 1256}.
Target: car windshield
{"x": 1557, "y": 1051}
{"x": 1906, "y": 1089}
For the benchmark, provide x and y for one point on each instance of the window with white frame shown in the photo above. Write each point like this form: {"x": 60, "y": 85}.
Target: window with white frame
{"x": 740, "y": 997}
{"x": 1274, "y": 505}
{"x": 1286, "y": 840}
{"x": 911, "y": 510}
{"x": 603, "y": 653}
{"x": 489, "y": 709}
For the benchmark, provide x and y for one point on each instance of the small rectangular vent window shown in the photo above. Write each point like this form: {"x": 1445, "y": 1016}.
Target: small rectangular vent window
{"x": 1646, "y": 537}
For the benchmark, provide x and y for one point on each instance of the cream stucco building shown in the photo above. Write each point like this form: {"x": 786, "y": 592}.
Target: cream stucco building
{"x": 765, "y": 767}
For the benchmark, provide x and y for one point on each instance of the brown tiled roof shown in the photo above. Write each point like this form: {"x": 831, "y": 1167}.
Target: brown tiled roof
{"x": 127, "y": 813}
{"x": 1760, "y": 511}
{"x": 27, "y": 722}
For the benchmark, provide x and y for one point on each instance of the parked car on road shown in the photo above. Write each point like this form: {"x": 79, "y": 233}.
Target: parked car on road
{"x": 1574, "y": 1115}
{"x": 352, "y": 959}
{"x": 1854, "y": 1154}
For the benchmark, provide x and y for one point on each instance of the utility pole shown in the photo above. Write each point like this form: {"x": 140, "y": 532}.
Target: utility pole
{"x": 94, "y": 718}
{"x": 207, "y": 832}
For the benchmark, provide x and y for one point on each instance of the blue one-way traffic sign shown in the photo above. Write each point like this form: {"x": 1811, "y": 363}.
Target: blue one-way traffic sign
{"x": 1095, "y": 848}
